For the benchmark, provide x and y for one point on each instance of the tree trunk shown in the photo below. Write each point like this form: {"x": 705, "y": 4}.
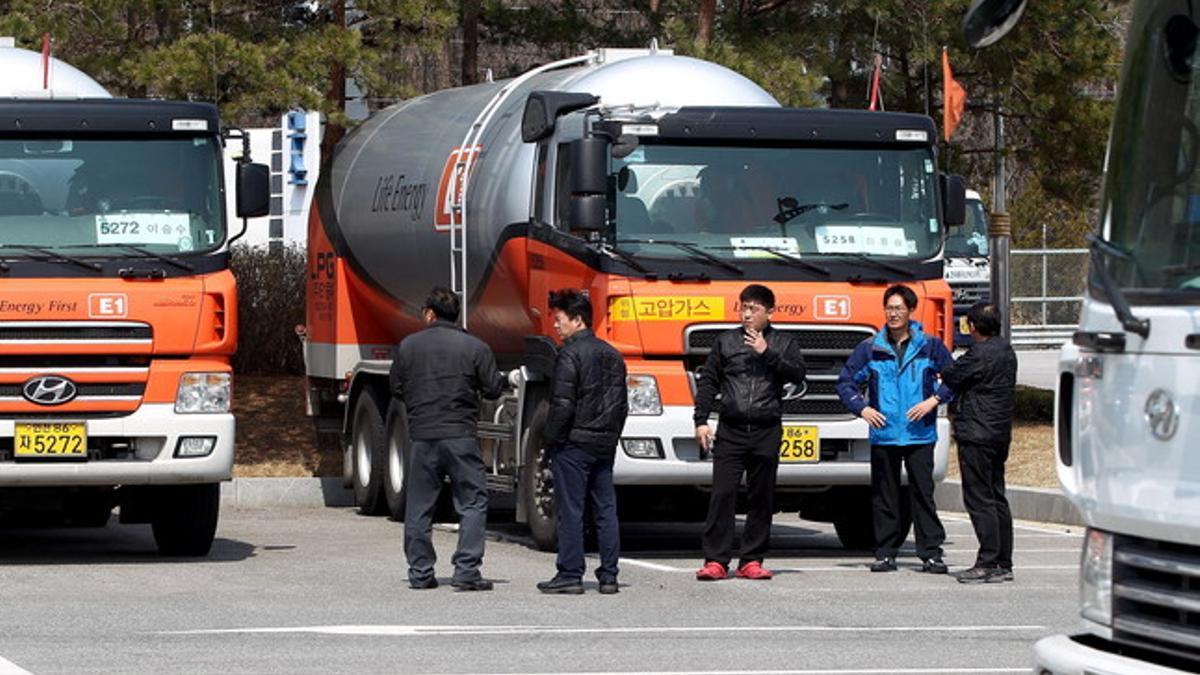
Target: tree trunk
{"x": 470, "y": 49}
{"x": 708, "y": 11}
{"x": 336, "y": 96}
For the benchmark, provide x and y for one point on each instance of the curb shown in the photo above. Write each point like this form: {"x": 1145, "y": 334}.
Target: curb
{"x": 1036, "y": 504}
{"x": 291, "y": 493}
{"x": 1026, "y": 503}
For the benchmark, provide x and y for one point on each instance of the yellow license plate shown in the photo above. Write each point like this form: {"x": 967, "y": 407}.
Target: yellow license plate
{"x": 50, "y": 440}
{"x": 800, "y": 444}
{"x": 962, "y": 326}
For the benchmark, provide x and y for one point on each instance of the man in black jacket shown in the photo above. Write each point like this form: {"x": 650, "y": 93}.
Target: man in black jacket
{"x": 588, "y": 406}
{"x": 438, "y": 374}
{"x": 749, "y": 366}
{"x": 984, "y": 380}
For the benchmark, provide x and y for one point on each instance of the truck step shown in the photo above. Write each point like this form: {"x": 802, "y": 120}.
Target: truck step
{"x": 500, "y": 432}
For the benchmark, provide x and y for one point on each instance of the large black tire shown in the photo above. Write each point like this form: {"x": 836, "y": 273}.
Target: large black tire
{"x": 185, "y": 519}
{"x": 368, "y": 446}
{"x": 399, "y": 450}
{"x": 853, "y": 519}
{"x": 537, "y": 486}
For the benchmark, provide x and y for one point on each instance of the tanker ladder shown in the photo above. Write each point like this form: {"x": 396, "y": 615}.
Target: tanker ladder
{"x": 467, "y": 158}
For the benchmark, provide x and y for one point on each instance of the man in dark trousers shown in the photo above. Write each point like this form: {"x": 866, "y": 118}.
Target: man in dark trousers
{"x": 984, "y": 382}
{"x": 899, "y": 369}
{"x": 438, "y": 374}
{"x": 749, "y": 367}
{"x": 588, "y": 406}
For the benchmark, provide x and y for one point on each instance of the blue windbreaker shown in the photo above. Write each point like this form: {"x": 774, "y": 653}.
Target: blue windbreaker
{"x": 892, "y": 388}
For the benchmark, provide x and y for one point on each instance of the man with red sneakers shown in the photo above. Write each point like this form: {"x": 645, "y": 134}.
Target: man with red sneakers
{"x": 749, "y": 366}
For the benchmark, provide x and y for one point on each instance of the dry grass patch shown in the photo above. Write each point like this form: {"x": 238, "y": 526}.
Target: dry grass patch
{"x": 274, "y": 436}
{"x": 1030, "y": 458}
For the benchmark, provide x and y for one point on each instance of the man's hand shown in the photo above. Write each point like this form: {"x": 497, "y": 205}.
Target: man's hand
{"x": 755, "y": 340}
{"x": 874, "y": 417}
{"x": 704, "y": 437}
{"x": 922, "y": 409}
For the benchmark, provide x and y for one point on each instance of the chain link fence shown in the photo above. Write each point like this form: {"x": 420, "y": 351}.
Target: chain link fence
{"x": 1047, "y": 290}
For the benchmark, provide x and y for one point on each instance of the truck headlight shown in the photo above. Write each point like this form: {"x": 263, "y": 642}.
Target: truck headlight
{"x": 643, "y": 395}
{"x": 1095, "y": 577}
{"x": 203, "y": 393}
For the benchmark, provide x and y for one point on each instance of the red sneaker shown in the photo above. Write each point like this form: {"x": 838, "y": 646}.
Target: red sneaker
{"x": 754, "y": 570}
{"x": 712, "y": 571}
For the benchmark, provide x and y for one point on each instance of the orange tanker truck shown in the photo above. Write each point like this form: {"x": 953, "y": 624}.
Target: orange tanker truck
{"x": 661, "y": 185}
{"x": 117, "y": 305}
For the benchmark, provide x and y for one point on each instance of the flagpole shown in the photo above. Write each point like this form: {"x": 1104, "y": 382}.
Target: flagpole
{"x": 1000, "y": 230}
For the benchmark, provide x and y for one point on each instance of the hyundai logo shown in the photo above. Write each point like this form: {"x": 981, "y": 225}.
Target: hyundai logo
{"x": 793, "y": 391}
{"x": 1161, "y": 415}
{"x": 49, "y": 390}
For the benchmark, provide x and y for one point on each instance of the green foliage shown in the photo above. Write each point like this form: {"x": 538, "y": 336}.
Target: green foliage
{"x": 270, "y": 305}
{"x": 1034, "y": 405}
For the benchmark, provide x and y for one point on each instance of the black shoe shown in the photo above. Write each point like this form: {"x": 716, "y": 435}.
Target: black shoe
{"x": 978, "y": 575}
{"x": 609, "y": 587}
{"x": 423, "y": 584}
{"x": 1003, "y": 574}
{"x": 884, "y": 565}
{"x": 473, "y": 585}
{"x": 562, "y": 585}
{"x": 934, "y": 566}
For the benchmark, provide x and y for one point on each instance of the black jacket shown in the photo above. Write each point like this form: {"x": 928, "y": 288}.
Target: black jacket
{"x": 751, "y": 385}
{"x": 983, "y": 381}
{"x": 588, "y": 398}
{"x": 439, "y": 373}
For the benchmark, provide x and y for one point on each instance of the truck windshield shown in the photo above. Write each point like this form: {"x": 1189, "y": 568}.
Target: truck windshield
{"x": 736, "y": 201}
{"x": 1150, "y": 210}
{"x": 158, "y": 194}
{"x": 969, "y": 240}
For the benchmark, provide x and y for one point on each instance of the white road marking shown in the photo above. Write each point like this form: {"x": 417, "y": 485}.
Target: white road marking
{"x": 823, "y": 671}
{"x": 839, "y": 671}
{"x": 9, "y": 668}
{"x": 856, "y": 566}
{"x": 410, "y": 631}
{"x": 658, "y": 567}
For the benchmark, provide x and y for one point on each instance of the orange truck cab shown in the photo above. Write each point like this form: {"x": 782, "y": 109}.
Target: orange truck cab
{"x": 117, "y": 313}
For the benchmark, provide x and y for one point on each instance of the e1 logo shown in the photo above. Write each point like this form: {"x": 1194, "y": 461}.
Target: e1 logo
{"x": 108, "y": 305}
{"x": 831, "y": 307}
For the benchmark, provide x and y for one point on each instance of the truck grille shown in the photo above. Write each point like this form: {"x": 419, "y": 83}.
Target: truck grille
{"x": 967, "y": 294}
{"x": 825, "y": 349}
{"x": 1156, "y": 597}
{"x": 82, "y": 332}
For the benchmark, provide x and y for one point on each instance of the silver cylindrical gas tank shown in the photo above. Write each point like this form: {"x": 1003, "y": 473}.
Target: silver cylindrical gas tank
{"x": 23, "y": 74}
{"x": 389, "y": 189}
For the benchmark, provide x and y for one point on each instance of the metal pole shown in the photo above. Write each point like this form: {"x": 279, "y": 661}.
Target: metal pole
{"x": 1000, "y": 233}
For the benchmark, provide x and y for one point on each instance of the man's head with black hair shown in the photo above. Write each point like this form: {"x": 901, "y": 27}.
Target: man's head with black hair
{"x": 442, "y": 303}
{"x": 899, "y": 301}
{"x": 984, "y": 319}
{"x": 756, "y": 303}
{"x": 572, "y": 311}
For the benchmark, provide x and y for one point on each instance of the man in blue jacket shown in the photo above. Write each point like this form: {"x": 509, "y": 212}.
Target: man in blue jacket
{"x": 899, "y": 368}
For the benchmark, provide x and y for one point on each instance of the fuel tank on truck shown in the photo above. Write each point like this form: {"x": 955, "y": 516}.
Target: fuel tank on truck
{"x": 385, "y": 204}
{"x": 23, "y": 74}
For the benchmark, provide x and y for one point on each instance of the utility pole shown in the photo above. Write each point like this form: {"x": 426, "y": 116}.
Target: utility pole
{"x": 1000, "y": 231}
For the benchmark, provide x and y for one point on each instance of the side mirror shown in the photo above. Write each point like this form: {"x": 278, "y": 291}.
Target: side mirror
{"x": 954, "y": 200}
{"x": 589, "y": 184}
{"x": 543, "y": 108}
{"x": 253, "y": 190}
{"x": 989, "y": 20}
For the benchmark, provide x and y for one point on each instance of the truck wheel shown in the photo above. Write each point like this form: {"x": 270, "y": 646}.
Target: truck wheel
{"x": 853, "y": 519}
{"x": 368, "y": 445}
{"x": 398, "y": 448}
{"x": 185, "y": 519}
{"x": 537, "y": 486}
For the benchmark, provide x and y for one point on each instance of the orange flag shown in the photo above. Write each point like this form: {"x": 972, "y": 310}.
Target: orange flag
{"x": 954, "y": 98}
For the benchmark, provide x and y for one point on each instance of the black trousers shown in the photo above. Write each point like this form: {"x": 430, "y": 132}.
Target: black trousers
{"x": 982, "y": 468}
{"x": 886, "y": 500}
{"x": 753, "y": 450}
{"x": 460, "y": 459}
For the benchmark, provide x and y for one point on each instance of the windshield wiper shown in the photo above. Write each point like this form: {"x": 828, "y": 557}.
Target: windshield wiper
{"x": 790, "y": 259}
{"x": 148, "y": 253}
{"x": 50, "y": 255}
{"x": 789, "y": 209}
{"x": 696, "y": 252}
{"x": 1101, "y": 247}
{"x": 627, "y": 258}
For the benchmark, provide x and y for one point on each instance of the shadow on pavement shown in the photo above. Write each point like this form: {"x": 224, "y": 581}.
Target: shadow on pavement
{"x": 42, "y": 544}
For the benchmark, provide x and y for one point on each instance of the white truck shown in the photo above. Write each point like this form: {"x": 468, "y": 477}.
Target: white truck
{"x": 968, "y": 269}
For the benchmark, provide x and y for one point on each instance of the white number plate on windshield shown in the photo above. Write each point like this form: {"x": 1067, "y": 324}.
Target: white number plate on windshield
{"x": 170, "y": 229}
{"x": 862, "y": 239}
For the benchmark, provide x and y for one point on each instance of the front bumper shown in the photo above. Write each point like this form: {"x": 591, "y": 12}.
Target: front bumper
{"x": 683, "y": 465}
{"x": 153, "y": 431}
{"x": 1063, "y": 655}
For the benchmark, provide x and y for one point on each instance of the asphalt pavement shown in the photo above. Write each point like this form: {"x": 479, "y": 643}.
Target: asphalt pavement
{"x": 324, "y": 590}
